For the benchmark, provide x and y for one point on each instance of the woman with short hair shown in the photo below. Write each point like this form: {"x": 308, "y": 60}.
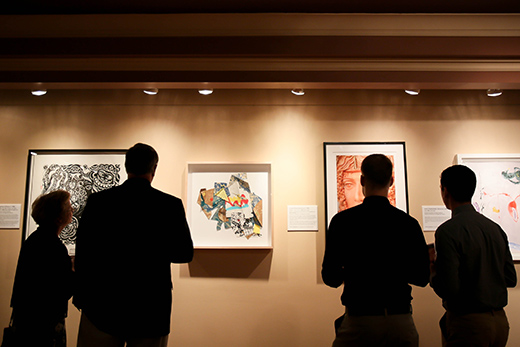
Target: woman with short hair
{"x": 43, "y": 279}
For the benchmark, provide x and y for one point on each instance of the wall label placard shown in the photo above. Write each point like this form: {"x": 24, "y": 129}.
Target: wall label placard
{"x": 10, "y": 216}
{"x": 434, "y": 216}
{"x": 302, "y": 218}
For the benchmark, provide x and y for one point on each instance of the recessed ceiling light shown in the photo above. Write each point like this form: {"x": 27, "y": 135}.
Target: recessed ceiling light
{"x": 38, "y": 92}
{"x": 412, "y": 91}
{"x": 205, "y": 91}
{"x": 151, "y": 91}
{"x": 494, "y": 92}
{"x": 298, "y": 91}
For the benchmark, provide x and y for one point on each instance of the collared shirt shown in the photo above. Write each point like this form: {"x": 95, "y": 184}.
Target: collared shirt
{"x": 474, "y": 265}
{"x": 376, "y": 251}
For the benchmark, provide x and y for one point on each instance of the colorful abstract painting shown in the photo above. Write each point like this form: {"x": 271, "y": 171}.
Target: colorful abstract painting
{"x": 497, "y": 195}
{"x": 233, "y": 206}
{"x": 228, "y": 205}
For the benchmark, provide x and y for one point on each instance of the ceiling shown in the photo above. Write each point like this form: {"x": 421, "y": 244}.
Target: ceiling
{"x": 365, "y": 44}
{"x": 263, "y": 6}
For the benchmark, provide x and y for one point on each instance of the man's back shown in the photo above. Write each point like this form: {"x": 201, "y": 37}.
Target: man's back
{"x": 127, "y": 239}
{"x": 375, "y": 250}
{"x": 473, "y": 263}
{"x": 381, "y": 249}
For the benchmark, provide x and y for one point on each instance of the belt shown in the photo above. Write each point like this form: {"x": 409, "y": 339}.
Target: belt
{"x": 475, "y": 311}
{"x": 377, "y": 311}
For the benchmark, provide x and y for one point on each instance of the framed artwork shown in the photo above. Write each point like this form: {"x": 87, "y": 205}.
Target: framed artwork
{"x": 80, "y": 172}
{"x": 343, "y": 171}
{"x": 229, "y": 205}
{"x": 497, "y": 195}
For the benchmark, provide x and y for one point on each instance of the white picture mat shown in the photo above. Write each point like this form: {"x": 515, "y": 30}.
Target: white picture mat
{"x": 333, "y": 150}
{"x": 494, "y": 193}
{"x": 203, "y": 230}
{"x": 38, "y": 161}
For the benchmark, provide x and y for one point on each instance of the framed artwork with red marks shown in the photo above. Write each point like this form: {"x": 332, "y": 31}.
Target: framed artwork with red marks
{"x": 343, "y": 172}
{"x": 497, "y": 195}
{"x": 229, "y": 205}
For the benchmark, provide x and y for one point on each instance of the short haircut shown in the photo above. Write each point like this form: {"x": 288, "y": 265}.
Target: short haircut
{"x": 377, "y": 169}
{"x": 460, "y": 181}
{"x": 141, "y": 159}
{"x": 50, "y": 209}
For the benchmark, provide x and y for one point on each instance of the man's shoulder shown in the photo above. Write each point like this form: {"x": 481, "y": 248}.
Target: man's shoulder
{"x": 164, "y": 195}
{"x": 467, "y": 219}
{"x": 391, "y": 212}
{"x": 103, "y": 194}
{"x": 130, "y": 188}
{"x": 445, "y": 228}
{"x": 397, "y": 218}
{"x": 457, "y": 225}
{"x": 363, "y": 209}
{"x": 348, "y": 213}
{"x": 353, "y": 214}
{"x": 484, "y": 219}
{"x": 402, "y": 214}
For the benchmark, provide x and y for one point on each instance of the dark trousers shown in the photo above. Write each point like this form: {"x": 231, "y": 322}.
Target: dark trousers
{"x": 39, "y": 333}
{"x": 385, "y": 330}
{"x": 89, "y": 336}
{"x": 488, "y": 329}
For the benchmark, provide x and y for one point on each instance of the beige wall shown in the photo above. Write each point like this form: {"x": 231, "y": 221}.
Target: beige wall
{"x": 258, "y": 298}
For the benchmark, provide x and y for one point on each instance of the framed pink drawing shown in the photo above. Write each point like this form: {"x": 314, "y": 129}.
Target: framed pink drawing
{"x": 343, "y": 172}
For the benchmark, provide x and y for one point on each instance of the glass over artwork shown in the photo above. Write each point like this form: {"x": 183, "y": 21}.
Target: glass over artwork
{"x": 348, "y": 173}
{"x": 229, "y": 205}
{"x": 79, "y": 172}
{"x": 497, "y": 195}
{"x": 233, "y": 206}
{"x": 343, "y": 174}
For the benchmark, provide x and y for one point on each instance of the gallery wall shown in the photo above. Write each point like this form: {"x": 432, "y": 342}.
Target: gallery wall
{"x": 258, "y": 297}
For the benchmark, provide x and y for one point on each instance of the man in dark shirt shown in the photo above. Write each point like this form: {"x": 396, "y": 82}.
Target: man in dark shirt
{"x": 127, "y": 239}
{"x": 473, "y": 268}
{"x": 376, "y": 251}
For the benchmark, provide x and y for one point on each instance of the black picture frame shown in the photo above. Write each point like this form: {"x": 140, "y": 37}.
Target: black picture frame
{"x": 349, "y": 155}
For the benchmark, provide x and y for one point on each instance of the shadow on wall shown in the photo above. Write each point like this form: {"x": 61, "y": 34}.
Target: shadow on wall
{"x": 231, "y": 263}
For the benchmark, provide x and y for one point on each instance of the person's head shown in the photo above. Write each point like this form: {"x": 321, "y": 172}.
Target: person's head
{"x": 52, "y": 209}
{"x": 141, "y": 160}
{"x": 459, "y": 181}
{"x": 377, "y": 170}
